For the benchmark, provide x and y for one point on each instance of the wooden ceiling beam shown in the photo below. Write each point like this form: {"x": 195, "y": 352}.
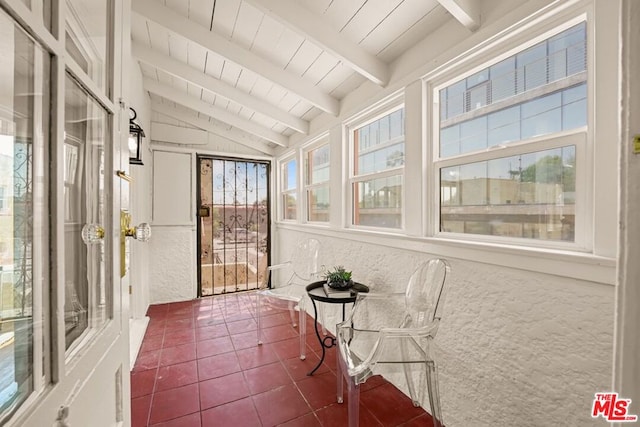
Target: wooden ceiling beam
{"x": 235, "y": 53}
{"x": 467, "y": 12}
{"x": 315, "y": 28}
{"x": 233, "y": 135}
{"x": 182, "y": 98}
{"x": 185, "y": 72}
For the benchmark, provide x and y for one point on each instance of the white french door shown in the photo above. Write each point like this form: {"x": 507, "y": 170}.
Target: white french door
{"x": 63, "y": 123}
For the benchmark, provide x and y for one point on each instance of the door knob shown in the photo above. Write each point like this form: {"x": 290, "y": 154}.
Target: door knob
{"x": 92, "y": 234}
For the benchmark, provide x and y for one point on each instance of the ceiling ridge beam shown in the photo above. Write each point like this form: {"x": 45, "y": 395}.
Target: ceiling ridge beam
{"x": 317, "y": 29}
{"x": 184, "y": 27}
{"x": 467, "y": 12}
{"x": 233, "y": 135}
{"x": 217, "y": 113}
{"x": 185, "y": 72}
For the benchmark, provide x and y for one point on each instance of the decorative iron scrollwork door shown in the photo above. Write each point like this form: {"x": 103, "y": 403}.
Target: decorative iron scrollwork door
{"x": 233, "y": 226}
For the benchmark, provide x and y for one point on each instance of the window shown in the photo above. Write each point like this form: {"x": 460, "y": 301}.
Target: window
{"x": 378, "y": 171}
{"x": 317, "y": 183}
{"x": 24, "y": 244}
{"x": 288, "y": 189}
{"x": 509, "y": 136}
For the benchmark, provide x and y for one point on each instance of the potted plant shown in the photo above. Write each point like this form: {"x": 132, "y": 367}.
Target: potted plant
{"x": 339, "y": 278}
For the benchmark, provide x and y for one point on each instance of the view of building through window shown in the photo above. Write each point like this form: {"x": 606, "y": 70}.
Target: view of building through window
{"x": 378, "y": 171}
{"x": 317, "y": 183}
{"x": 530, "y": 96}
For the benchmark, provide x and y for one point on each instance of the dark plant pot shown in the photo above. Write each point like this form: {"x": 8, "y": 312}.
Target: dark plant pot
{"x": 341, "y": 285}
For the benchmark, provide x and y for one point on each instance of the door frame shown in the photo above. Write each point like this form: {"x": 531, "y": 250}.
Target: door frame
{"x": 198, "y": 200}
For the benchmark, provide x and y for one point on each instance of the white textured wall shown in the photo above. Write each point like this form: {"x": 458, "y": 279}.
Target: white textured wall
{"x": 515, "y": 348}
{"x": 172, "y": 266}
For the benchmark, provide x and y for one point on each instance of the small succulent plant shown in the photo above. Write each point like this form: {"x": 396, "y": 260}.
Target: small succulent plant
{"x": 339, "y": 277}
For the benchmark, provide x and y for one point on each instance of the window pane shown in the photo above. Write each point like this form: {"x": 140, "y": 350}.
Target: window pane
{"x": 378, "y": 202}
{"x": 86, "y": 37}
{"x": 529, "y": 196}
{"x": 24, "y": 107}
{"x": 536, "y": 67}
{"x": 379, "y": 146}
{"x": 318, "y": 200}
{"x": 318, "y": 165}
{"x": 289, "y": 175}
{"x": 289, "y": 205}
{"x": 87, "y": 303}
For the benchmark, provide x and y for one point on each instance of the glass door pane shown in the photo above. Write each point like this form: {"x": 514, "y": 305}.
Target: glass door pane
{"x": 87, "y": 303}
{"x": 24, "y": 106}
{"x": 86, "y": 37}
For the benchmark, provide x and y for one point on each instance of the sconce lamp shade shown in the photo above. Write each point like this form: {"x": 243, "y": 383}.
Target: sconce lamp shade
{"x": 135, "y": 139}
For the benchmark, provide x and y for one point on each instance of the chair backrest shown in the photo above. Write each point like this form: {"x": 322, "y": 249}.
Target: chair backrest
{"x": 424, "y": 293}
{"x": 304, "y": 260}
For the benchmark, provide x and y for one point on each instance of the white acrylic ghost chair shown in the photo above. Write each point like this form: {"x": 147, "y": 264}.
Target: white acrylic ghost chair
{"x": 394, "y": 330}
{"x": 288, "y": 288}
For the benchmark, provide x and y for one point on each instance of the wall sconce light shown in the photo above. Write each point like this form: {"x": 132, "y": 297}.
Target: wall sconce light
{"x": 135, "y": 139}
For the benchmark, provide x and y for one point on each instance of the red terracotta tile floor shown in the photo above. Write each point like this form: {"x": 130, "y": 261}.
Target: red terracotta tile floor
{"x": 200, "y": 366}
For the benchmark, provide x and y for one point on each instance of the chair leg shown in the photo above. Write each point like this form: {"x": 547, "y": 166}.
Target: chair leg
{"x": 339, "y": 379}
{"x": 434, "y": 395}
{"x": 258, "y": 317}
{"x": 354, "y": 402}
{"x": 292, "y": 307}
{"x": 415, "y": 399}
{"x": 302, "y": 329}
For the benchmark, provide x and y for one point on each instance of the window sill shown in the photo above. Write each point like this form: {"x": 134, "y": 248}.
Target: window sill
{"x": 563, "y": 263}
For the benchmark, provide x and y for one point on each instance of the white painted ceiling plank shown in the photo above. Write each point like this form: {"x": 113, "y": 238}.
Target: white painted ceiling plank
{"x": 315, "y": 29}
{"x": 287, "y": 46}
{"x": 224, "y": 17}
{"x": 402, "y": 18}
{"x": 200, "y": 11}
{"x": 213, "y": 65}
{"x": 178, "y": 6}
{"x": 304, "y": 57}
{"x": 368, "y": 17}
{"x": 267, "y": 39}
{"x": 178, "y": 135}
{"x": 339, "y": 13}
{"x": 178, "y": 48}
{"x": 158, "y": 35}
{"x": 467, "y": 12}
{"x": 212, "y": 41}
{"x": 197, "y": 56}
{"x": 335, "y": 77}
{"x": 232, "y": 134}
{"x": 220, "y": 114}
{"x": 316, "y": 6}
{"x": 139, "y": 32}
{"x": 426, "y": 25}
{"x": 322, "y": 65}
{"x": 247, "y": 25}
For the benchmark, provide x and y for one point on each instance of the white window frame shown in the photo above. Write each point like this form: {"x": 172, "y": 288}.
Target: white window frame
{"x": 284, "y": 192}
{"x": 581, "y": 138}
{"x": 366, "y": 118}
{"x": 316, "y": 144}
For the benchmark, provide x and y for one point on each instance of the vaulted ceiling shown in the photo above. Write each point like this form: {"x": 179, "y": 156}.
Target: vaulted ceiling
{"x": 258, "y": 71}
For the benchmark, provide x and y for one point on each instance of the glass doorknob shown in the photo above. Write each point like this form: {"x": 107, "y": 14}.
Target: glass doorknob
{"x": 143, "y": 232}
{"x": 92, "y": 234}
